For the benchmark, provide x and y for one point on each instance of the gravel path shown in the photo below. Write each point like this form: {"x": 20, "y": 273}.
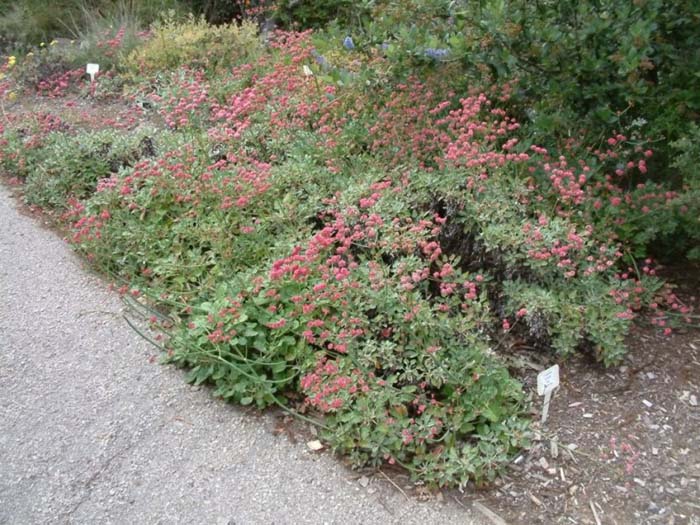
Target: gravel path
{"x": 91, "y": 431}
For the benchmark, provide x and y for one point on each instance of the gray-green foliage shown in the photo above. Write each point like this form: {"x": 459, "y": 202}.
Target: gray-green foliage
{"x": 70, "y": 166}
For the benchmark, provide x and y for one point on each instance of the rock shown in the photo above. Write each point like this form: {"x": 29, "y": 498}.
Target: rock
{"x": 315, "y": 445}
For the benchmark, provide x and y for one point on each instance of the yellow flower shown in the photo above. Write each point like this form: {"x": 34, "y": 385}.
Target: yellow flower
{"x": 11, "y": 61}
{"x": 42, "y": 44}
{"x": 11, "y": 96}
{"x": 53, "y": 43}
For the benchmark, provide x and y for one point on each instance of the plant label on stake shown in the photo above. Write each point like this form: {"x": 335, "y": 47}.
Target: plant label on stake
{"x": 547, "y": 381}
{"x": 92, "y": 70}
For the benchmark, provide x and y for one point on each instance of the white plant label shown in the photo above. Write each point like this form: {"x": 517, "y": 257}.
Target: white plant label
{"x": 547, "y": 381}
{"x": 92, "y": 70}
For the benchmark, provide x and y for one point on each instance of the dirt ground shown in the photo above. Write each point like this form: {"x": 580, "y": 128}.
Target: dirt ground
{"x": 620, "y": 445}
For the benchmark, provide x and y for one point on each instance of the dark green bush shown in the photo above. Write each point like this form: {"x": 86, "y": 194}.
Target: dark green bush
{"x": 317, "y": 14}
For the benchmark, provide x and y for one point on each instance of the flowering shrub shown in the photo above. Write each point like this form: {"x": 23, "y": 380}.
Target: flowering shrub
{"x": 58, "y": 68}
{"x": 361, "y": 250}
{"x": 578, "y": 70}
{"x": 69, "y": 166}
{"x": 23, "y": 140}
{"x": 394, "y": 355}
{"x": 6, "y": 83}
{"x": 46, "y": 70}
{"x": 107, "y": 43}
